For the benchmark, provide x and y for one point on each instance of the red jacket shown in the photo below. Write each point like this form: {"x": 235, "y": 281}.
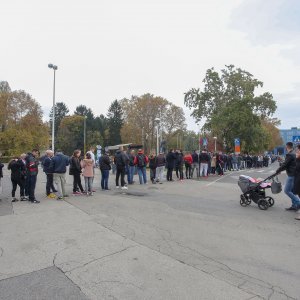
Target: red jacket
{"x": 146, "y": 160}
{"x": 188, "y": 158}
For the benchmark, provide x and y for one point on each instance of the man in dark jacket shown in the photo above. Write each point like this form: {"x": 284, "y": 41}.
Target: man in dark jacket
{"x": 58, "y": 165}
{"x": 161, "y": 164}
{"x": 289, "y": 165}
{"x": 104, "y": 163}
{"x": 204, "y": 160}
{"x": 195, "y": 164}
{"x": 31, "y": 175}
{"x": 141, "y": 161}
{"x": 131, "y": 167}
{"x": 171, "y": 158}
{"x": 50, "y": 189}
{"x": 120, "y": 162}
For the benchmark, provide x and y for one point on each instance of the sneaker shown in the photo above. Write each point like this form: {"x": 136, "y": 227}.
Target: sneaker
{"x": 60, "y": 198}
{"x": 117, "y": 187}
{"x": 124, "y": 188}
{"x": 292, "y": 208}
{"x": 23, "y": 198}
{"x": 91, "y": 193}
{"x": 76, "y": 193}
{"x": 35, "y": 201}
{"x": 26, "y": 198}
{"x": 14, "y": 199}
{"x": 55, "y": 191}
{"x": 51, "y": 196}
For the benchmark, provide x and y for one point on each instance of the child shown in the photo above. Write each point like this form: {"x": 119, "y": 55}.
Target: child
{"x": 87, "y": 166}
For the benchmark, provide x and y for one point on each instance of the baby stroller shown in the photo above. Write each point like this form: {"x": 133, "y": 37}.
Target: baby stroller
{"x": 254, "y": 190}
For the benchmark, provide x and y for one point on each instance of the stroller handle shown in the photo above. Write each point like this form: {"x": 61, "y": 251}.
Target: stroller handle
{"x": 270, "y": 177}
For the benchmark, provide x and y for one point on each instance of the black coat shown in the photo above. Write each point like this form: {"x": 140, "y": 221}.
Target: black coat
{"x": 289, "y": 164}
{"x": 104, "y": 162}
{"x": 18, "y": 169}
{"x": 75, "y": 167}
{"x": 171, "y": 158}
{"x": 297, "y": 178}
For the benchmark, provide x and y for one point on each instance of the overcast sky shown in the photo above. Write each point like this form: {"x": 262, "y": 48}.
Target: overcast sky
{"x": 112, "y": 49}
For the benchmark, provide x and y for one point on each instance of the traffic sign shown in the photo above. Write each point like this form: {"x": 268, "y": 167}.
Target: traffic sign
{"x": 296, "y": 139}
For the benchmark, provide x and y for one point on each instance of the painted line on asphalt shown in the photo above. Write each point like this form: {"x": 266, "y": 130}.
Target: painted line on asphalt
{"x": 222, "y": 177}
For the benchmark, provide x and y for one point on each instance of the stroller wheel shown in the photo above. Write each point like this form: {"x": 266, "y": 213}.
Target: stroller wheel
{"x": 270, "y": 200}
{"x": 263, "y": 204}
{"x": 244, "y": 201}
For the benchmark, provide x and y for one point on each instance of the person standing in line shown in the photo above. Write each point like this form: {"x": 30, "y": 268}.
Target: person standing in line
{"x": 18, "y": 170}
{"x": 87, "y": 166}
{"x": 75, "y": 170}
{"x": 213, "y": 164}
{"x": 91, "y": 152}
{"x": 188, "y": 161}
{"x": 131, "y": 167}
{"x": 204, "y": 160}
{"x": 171, "y": 158}
{"x": 289, "y": 165}
{"x": 219, "y": 164}
{"x": 120, "y": 162}
{"x": 141, "y": 161}
{"x": 152, "y": 167}
{"x": 50, "y": 189}
{"x": 297, "y": 176}
{"x": 195, "y": 165}
{"x": 161, "y": 164}
{"x": 234, "y": 160}
{"x": 104, "y": 163}
{"x": 58, "y": 165}
{"x": 31, "y": 175}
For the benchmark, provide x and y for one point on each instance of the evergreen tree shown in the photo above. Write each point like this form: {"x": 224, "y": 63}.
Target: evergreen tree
{"x": 115, "y": 123}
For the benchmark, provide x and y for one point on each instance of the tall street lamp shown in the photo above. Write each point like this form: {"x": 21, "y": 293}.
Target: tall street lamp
{"x": 51, "y": 66}
{"x": 84, "y": 134}
{"x": 215, "y": 138}
{"x": 157, "y": 135}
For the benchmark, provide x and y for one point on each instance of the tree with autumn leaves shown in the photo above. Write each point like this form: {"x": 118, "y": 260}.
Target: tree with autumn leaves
{"x": 21, "y": 124}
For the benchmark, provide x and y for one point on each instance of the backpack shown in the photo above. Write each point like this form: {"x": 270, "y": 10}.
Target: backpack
{"x": 141, "y": 161}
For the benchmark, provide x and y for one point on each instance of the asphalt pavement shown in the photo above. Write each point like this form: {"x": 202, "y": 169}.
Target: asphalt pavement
{"x": 176, "y": 240}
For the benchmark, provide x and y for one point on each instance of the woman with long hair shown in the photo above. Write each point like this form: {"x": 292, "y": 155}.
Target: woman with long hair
{"x": 75, "y": 170}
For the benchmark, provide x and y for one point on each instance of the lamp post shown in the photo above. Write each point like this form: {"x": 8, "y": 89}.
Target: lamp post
{"x": 157, "y": 120}
{"x": 215, "y": 138}
{"x": 84, "y": 134}
{"x": 51, "y": 66}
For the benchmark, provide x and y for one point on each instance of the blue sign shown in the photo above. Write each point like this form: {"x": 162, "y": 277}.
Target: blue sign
{"x": 296, "y": 139}
{"x": 237, "y": 142}
{"x": 204, "y": 141}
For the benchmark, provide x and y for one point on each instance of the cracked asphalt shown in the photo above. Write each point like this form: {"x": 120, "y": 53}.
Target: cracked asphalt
{"x": 189, "y": 240}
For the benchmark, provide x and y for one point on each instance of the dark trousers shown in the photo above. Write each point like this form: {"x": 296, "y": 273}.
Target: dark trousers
{"x": 77, "y": 182}
{"x": 188, "y": 171}
{"x": 30, "y": 186}
{"x": 17, "y": 182}
{"x": 104, "y": 179}
{"x": 169, "y": 174}
{"x": 120, "y": 172}
{"x": 49, "y": 184}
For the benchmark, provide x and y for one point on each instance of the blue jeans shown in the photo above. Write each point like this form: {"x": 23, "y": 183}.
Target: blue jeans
{"x": 288, "y": 189}
{"x": 30, "y": 186}
{"x": 131, "y": 170}
{"x": 142, "y": 175}
{"x": 104, "y": 179}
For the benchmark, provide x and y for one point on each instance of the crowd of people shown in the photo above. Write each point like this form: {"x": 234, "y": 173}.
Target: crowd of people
{"x": 24, "y": 170}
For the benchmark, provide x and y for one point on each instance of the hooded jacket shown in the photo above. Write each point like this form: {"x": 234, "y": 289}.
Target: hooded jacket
{"x": 59, "y": 163}
{"x": 87, "y": 166}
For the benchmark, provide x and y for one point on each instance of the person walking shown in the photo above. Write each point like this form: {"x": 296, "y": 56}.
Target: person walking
{"x": 188, "y": 161}
{"x": 18, "y": 171}
{"x": 31, "y": 175}
{"x": 75, "y": 170}
{"x": 296, "y": 190}
{"x": 50, "y": 189}
{"x": 87, "y": 166}
{"x": 104, "y": 163}
{"x": 161, "y": 164}
{"x": 141, "y": 161}
{"x": 289, "y": 165}
{"x": 120, "y": 162}
{"x": 171, "y": 159}
{"x": 58, "y": 165}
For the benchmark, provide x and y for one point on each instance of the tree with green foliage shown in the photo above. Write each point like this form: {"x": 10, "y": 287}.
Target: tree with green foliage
{"x": 115, "y": 122}
{"x": 61, "y": 111}
{"x": 230, "y": 107}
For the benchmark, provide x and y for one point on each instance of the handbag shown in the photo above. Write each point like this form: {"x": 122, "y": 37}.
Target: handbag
{"x": 276, "y": 186}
